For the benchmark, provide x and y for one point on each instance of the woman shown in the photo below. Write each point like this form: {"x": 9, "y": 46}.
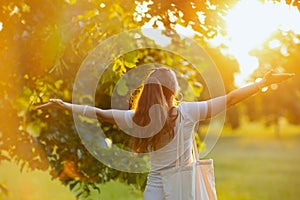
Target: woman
{"x": 155, "y": 118}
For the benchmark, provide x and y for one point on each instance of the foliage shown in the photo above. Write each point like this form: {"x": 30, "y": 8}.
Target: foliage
{"x": 56, "y": 44}
{"x": 282, "y": 58}
{"x": 44, "y": 43}
{"x": 203, "y": 16}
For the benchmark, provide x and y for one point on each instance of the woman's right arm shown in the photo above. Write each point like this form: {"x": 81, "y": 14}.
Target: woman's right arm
{"x": 111, "y": 115}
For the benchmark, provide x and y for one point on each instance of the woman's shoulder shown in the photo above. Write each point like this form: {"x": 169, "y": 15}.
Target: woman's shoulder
{"x": 191, "y": 104}
{"x": 193, "y": 110}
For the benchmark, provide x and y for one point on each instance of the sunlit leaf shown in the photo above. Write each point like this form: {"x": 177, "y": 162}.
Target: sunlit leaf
{"x": 122, "y": 88}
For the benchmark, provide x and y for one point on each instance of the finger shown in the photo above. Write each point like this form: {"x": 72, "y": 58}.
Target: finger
{"x": 52, "y": 100}
{"x": 43, "y": 106}
{"x": 292, "y": 74}
{"x": 58, "y": 101}
{"x": 287, "y": 75}
{"x": 278, "y": 78}
{"x": 269, "y": 73}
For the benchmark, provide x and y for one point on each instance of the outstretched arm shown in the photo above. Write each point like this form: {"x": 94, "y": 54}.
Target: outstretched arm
{"x": 110, "y": 115}
{"x": 217, "y": 105}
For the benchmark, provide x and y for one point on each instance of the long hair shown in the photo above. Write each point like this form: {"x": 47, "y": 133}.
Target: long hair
{"x": 154, "y": 94}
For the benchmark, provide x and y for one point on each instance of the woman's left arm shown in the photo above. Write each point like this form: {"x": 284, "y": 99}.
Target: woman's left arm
{"x": 218, "y": 104}
{"x": 241, "y": 94}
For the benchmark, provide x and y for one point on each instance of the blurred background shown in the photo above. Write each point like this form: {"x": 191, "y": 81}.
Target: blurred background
{"x": 43, "y": 44}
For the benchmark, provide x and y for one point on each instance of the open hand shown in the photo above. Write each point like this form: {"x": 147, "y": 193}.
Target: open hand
{"x": 53, "y": 103}
{"x": 273, "y": 78}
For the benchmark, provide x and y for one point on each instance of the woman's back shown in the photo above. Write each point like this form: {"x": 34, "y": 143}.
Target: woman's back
{"x": 189, "y": 113}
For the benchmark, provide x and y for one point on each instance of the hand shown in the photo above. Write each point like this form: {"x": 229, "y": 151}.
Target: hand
{"x": 53, "y": 103}
{"x": 272, "y": 78}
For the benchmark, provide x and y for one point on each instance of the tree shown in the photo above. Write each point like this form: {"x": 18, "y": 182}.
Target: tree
{"x": 280, "y": 57}
{"x": 42, "y": 51}
{"x": 43, "y": 44}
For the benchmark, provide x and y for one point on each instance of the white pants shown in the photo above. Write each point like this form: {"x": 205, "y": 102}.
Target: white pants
{"x": 153, "y": 193}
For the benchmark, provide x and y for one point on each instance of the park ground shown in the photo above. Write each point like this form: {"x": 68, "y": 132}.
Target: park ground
{"x": 250, "y": 163}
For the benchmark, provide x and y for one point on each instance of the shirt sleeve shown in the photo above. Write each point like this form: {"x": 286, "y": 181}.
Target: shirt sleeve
{"x": 195, "y": 111}
{"x": 128, "y": 118}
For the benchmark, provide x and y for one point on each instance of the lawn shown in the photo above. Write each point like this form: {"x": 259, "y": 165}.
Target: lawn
{"x": 254, "y": 163}
{"x": 35, "y": 185}
{"x": 257, "y": 169}
{"x": 250, "y": 163}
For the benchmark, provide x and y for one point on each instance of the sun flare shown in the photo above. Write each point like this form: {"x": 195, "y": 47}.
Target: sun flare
{"x": 249, "y": 24}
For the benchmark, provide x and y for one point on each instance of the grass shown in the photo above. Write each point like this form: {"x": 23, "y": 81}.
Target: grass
{"x": 257, "y": 169}
{"x": 255, "y": 163}
{"x": 33, "y": 185}
{"x": 250, "y": 163}
{"x": 37, "y": 185}
{"x": 119, "y": 191}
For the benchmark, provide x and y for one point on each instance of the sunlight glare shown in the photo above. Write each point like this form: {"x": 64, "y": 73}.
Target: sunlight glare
{"x": 156, "y": 34}
{"x": 274, "y": 44}
{"x": 184, "y": 31}
{"x": 249, "y": 63}
{"x": 249, "y": 24}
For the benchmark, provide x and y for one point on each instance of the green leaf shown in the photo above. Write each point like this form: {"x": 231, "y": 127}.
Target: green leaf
{"x": 130, "y": 59}
{"x": 122, "y": 88}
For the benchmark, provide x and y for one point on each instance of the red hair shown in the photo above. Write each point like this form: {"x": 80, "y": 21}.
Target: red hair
{"x": 155, "y": 93}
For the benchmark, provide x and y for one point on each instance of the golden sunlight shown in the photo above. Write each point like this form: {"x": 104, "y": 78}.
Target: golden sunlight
{"x": 248, "y": 25}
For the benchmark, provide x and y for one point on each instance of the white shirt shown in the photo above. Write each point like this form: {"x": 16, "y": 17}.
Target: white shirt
{"x": 165, "y": 157}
